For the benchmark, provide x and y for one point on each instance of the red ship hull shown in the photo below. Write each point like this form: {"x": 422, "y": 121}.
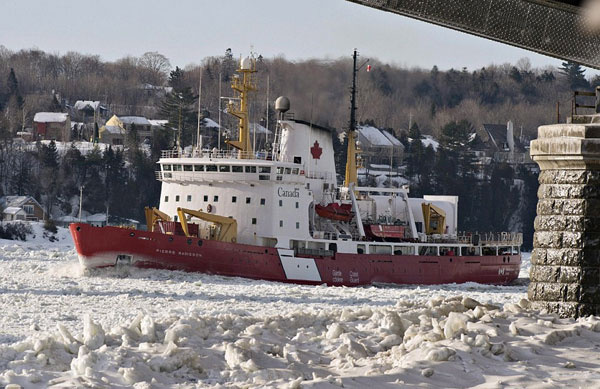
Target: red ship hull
{"x": 107, "y": 246}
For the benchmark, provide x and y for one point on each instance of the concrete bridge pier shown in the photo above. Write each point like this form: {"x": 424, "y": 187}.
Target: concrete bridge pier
{"x": 565, "y": 272}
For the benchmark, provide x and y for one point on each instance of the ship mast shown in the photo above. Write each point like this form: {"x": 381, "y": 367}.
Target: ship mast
{"x": 351, "y": 174}
{"x": 238, "y": 106}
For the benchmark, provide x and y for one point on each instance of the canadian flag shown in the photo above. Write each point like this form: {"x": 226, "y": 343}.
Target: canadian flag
{"x": 368, "y": 68}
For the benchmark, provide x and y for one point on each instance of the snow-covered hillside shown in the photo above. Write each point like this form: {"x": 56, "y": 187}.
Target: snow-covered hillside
{"x": 62, "y": 326}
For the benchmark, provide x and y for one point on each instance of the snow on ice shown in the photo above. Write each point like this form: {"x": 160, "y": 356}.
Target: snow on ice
{"x": 63, "y": 326}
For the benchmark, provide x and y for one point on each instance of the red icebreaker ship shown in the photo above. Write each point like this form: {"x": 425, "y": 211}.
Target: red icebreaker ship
{"x": 281, "y": 216}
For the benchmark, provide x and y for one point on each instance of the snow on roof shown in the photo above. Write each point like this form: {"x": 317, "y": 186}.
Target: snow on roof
{"x": 391, "y": 138}
{"x": 137, "y": 120}
{"x": 85, "y": 104}
{"x": 13, "y": 210}
{"x": 207, "y": 122}
{"x": 259, "y": 129}
{"x": 50, "y": 117}
{"x": 158, "y": 122}
{"x": 67, "y": 219}
{"x": 114, "y": 129}
{"x": 374, "y": 136}
{"x": 429, "y": 141}
{"x": 98, "y": 217}
{"x": 16, "y": 201}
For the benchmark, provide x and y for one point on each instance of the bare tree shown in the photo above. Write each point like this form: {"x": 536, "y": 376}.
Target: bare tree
{"x": 157, "y": 66}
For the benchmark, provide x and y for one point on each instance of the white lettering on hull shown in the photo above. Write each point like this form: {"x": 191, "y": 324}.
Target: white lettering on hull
{"x": 301, "y": 269}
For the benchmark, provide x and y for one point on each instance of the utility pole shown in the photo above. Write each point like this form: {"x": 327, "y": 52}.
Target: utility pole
{"x": 80, "y": 200}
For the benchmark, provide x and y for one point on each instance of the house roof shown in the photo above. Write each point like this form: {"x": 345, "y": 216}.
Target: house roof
{"x": 374, "y": 136}
{"x": 13, "y": 210}
{"x": 158, "y": 122}
{"x": 80, "y": 105}
{"x": 113, "y": 130}
{"x": 17, "y": 201}
{"x": 137, "y": 120}
{"x": 392, "y": 138}
{"x": 50, "y": 117}
{"x": 258, "y": 128}
{"x": 208, "y": 122}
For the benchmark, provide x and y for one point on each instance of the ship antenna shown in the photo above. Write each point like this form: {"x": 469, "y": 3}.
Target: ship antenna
{"x": 351, "y": 174}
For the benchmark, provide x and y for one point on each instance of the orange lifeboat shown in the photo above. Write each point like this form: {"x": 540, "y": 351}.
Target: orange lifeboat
{"x": 335, "y": 211}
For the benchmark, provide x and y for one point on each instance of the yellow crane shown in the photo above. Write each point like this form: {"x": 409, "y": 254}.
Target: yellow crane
{"x": 434, "y": 218}
{"x": 227, "y": 227}
{"x": 153, "y": 215}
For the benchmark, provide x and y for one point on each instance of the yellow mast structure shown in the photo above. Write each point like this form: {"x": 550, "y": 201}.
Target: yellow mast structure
{"x": 238, "y": 107}
{"x": 352, "y": 154}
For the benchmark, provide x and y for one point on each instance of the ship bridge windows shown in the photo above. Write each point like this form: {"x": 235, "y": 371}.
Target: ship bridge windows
{"x": 166, "y": 168}
{"x": 264, "y": 169}
{"x": 211, "y": 168}
{"x": 295, "y": 171}
{"x": 288, "y": 170}
{"x": 224, "y": 168}
{"x": 187, "y": 168}
{"x": 198, "y": 168}
{"x": 264, "y": 177}
{"x": 280, "y": 169}
{"x": 250, "y": 169}
{"x": 177, "y": 168}
{"x": 470, "y": 251}
{"x": 237, "y": 169}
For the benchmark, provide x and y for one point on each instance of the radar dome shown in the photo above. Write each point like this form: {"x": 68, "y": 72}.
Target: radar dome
{"x": 246, "y": 63}
{"x": 282, "y": 104}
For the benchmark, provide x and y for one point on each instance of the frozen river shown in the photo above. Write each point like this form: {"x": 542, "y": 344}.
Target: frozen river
{"x": 63, "y": 326}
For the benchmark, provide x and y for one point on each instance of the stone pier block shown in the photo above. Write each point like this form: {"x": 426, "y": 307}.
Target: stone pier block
{"x": 565, "y": 271}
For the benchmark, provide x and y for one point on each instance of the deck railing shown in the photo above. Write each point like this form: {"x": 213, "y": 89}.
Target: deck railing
{"x": 221, "y": 154}
{"x": 491, "y": 238}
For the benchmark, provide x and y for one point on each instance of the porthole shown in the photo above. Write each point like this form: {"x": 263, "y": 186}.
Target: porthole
{"x": 170, "y": 238}
{"x": 189, "y": 241}
{"x": 132, "y": 234}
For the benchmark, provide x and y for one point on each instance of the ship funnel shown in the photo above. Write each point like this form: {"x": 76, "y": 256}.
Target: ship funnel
{"x": 282, "y": 104}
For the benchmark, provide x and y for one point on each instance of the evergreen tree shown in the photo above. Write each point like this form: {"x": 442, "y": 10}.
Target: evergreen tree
{"x": 414, "y": 132}
{"x": 179, "y": 107}
{"x": 54, "y": 105}
{"x": 575, "y": 75}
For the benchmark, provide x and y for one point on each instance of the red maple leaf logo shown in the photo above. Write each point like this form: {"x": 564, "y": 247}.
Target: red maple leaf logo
{"x": 316, "y": 151}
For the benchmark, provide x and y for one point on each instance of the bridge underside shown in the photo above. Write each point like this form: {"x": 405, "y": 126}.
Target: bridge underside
{"x": 553, "y": 28}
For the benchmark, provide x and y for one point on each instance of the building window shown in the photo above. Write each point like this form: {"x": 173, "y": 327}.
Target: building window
{"x": 28, "y": 209}
{"x": 253, "y": 220}
{"x": 233, "y": 199}
{"x": 297, "y": 204}
{"x": 216, "y": 199}
{"x": 166, "y": 199}
{"x": 177, "y": 198}
{"x": 189, "y": 198}
{"x": 297, "y": 225}
{"x": 281, "y": 203}
{"x": 205, "y": 198}
{"x": 281, "y": 223}
{"x": 262, "y": 201}
{"x": 248, "y": 200}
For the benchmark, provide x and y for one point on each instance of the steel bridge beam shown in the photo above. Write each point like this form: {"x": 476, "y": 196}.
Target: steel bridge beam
{"x": 552, "y": 28}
